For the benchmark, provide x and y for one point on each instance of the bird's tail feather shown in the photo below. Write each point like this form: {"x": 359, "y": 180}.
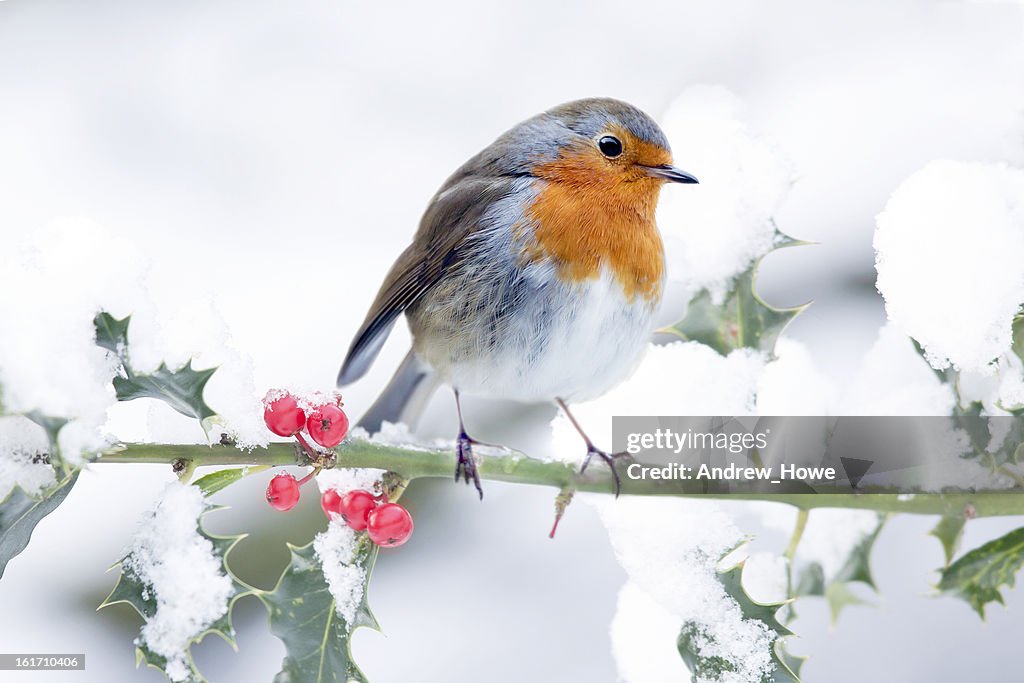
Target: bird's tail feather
{"x": 404, "y": 398}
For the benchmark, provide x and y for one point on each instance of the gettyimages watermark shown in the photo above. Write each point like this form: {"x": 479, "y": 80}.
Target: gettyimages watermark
{"x": 821, "y": 454}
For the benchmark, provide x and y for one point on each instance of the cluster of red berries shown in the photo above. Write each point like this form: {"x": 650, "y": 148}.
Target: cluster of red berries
{"x": 326, "y": 424}
{"x": 388, "y": 524}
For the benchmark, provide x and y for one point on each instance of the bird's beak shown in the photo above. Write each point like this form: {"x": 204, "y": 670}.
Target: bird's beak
{"x": 671, "y": 174}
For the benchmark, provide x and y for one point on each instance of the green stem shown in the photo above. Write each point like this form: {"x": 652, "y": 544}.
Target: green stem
{"x": 798, "y": 533}
{"x": 517, "y": 468}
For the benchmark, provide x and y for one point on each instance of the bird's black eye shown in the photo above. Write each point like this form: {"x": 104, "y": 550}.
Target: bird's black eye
{"x": 610, "y": 146}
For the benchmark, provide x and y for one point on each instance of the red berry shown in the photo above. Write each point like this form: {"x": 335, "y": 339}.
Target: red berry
{"x": 327, "y": 425}
{"x": 283, "y": 415}
{"x": 390, "y": 525}
{"x": 330, "y": 501}
{"x": 354, "y": 507}
{"x": 283, "y": 492}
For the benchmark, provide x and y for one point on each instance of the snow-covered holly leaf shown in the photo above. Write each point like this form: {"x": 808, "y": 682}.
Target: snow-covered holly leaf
{"x": 855, "y": 568}
{"x": 692, "y": 641}
{"x": 132, "y": 590}
{"x": 949, "y": 531}
{"x": 742, "y": 320}
{"x": 20, "y": 513}
{"x": 304, "y": 614}
{"x": 181, "y": 389}
{"x": 50, "y": 424}
{"x": 112, "y": 334}
{"x": 979, "y": 574}
{"x": 221, "y": 479}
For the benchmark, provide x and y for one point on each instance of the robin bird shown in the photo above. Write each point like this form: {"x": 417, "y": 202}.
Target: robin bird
{"x": 535, "y": 273}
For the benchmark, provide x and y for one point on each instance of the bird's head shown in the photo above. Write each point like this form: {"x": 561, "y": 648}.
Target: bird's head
{"x": 598, "y": 144}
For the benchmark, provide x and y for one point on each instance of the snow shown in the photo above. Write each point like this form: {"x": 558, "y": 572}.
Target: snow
{"x": 832, "y": 534}
{"x": 335, "y": 549}
{"x": 775, "y": 516}
{"x": 766, "y": 577}
{"x": 688, "y": 378}
{"x": 22, "y": 442}
{"x": 998, "y": 390}
{"x": 949, "y": 247}
{"x": 671, "y": 550}
{"x": 49, "y": 361}
{"x": 344, "y": 479}
{"x": 681, "y": 378}
{"x": 792, "y": 384}
{"x": 75, "y": 268}
{"x": 894, "y": 380}
{"x": 713, "y": 231}
{"x": 182, "y": 573}
{"x": 398, "y": 435}
{"x": 644, "y": 637}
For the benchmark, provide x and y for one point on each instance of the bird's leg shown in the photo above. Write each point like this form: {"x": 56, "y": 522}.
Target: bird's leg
{"x": 466, "y": 465}
{"x": 592, "y": 450}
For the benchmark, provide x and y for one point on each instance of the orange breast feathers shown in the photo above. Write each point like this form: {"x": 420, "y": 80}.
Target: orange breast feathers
{"x": 593, "y": 211}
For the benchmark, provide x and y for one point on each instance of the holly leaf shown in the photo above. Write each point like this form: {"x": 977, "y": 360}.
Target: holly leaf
{"x": 856, "y": 568}
{"x": 130, "y": 590}
{"x": 20, "y": 513}
{"x": 221, "y": 479}
{"x": 112, "y": 334}
{"x": 978, "y": 576}
{"x": 692, "y": 637}
{"x": 743, "y": 320}
{"x": 303, "y": 615}
{"x": 181, "y": 389}
{"x": 949, "y": 531}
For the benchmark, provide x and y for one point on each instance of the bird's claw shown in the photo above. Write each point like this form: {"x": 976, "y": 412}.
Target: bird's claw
{"x": 466, "y": 465}
{"x": 609, "y": 459}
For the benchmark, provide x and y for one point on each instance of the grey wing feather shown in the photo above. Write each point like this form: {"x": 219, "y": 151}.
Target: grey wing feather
{"x": 454, "y": 213}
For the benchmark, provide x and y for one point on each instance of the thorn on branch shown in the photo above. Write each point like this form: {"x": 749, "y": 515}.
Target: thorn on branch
{"x": 562, "y": 501}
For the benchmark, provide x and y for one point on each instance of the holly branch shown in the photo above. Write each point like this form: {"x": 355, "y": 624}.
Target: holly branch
{"x": 514, "y": 467}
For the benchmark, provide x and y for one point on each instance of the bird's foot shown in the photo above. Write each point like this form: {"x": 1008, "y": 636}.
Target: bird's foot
{"x": 466, "y": 465}
{"x": 608, "y": 458}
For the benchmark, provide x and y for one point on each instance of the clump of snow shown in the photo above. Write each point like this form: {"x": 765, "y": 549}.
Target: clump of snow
{"x": 792, "y": 384}
{"x": 671, "y": 550}
{"x": 999, "y": 390}
{"x": 182, "y": 573}
{"x": 766, "y": 577}
{"x": 399, "y": 435}
{"x": 774, "y": 516}
{"x": 644, "y": 639}
{"x": 78, "y": 439}
{"x": 311, "y": 400}
{"x": 832, "y": 534}
{"x": 175, "y": 322}
{"x": 55, "y": 279}
{"x": 336, "y": 549}
{"x": 343, "y": 479}
{"x": 681, "y": 378}
{"x": 50, "y": 362}
{"x": 23, "y": 448}
{"x": 713, "y": 231}
{"x": 894, "y": 380}
{"x": 949, "y": 247}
